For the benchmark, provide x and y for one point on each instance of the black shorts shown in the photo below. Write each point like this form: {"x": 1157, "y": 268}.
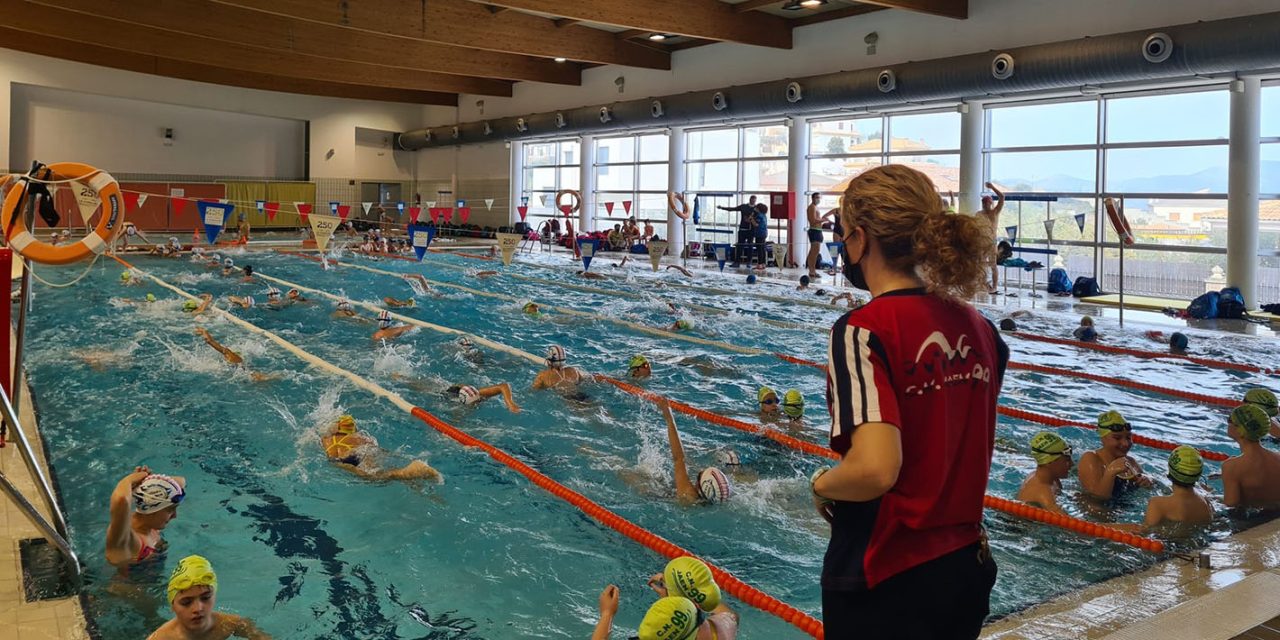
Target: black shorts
{"x": 815, "y": 236}
{"x": 945, "y": 598}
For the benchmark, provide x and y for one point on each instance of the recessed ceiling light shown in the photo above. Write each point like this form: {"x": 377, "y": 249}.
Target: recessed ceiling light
{"x": 792, "y": 5}
{"x": 658, "y": 37}
{"x": 561, "y": 59}
{"x": 812, "y": 3}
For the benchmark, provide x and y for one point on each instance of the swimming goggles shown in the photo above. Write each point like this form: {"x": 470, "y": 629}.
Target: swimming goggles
{"x": 1123, "y": 427}
{"x": 1064, "y": 452}
{"x": 769, "y": 402}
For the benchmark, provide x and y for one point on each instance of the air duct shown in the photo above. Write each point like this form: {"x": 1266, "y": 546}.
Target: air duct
{"x": 1234, "y": 45}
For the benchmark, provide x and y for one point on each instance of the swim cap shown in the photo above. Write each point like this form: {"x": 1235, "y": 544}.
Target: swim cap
{"x": 174, "y": 241}
{"x": 804, "y": 281}
{"x": 728, "y": 458}
{"x": 345, "y": 305}
{"x": 248, "y": 301}
{"x": 713, "y": 485}
{"x": 530, "y": 307}
{"x": 151, "y": 297}
{"x": 248, "y": 269}
{"x": 670, "y": 618}
{"x": 273, "y": 292}
{"x": 190, "y": 305}
{"x": 384, "y": 319}
{"x": 1252, "y": 420}
{"x": 684, "y": 323}
{"x": 228, "y": 263}
{"x": 1264, "y": 399}
{"x": 1111, "y": 422}
{"x": 346, "y": 424}
{"x": 468, "y": 394}
{"x": 1086, "y": 321}
{"x": 1047, "y": 447}
{"x": 555, "y": 356}
{"x": 1178, "y": 341}
{"x": 192, "y": 571}
{"x": 1008, "y": 325}
{"x": 636, "y": 362}
{"x": 751, "y": 278}
{"x": 125, "y": 275}
{"x": 690, "y": 578}
{"x": 1185, "y": 465}
{"x": 156, "y": 493}
{"x": 465, "y": 342}
{"x": 793, "y": 404}
{"x": 765, "y": 392}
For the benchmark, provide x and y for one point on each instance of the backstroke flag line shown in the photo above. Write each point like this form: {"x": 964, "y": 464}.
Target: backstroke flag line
{"x": 322, "y": 227}
{"x": 508, "y": 243}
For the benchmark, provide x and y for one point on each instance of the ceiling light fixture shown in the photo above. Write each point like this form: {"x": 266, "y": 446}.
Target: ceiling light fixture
{"x": 812, "y": 4}
{"x": 561, "y": 59}
{"x": 658, "y": 37}
{"x": 792, "y": 5}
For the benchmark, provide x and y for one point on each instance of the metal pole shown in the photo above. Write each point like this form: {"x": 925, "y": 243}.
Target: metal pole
{"x": 28, "y": 456}
{"x": 24, "y": 303}
{"x": 1243, "y": 164}
{"x": 1121, "y": 237}
{"x": 40, "y": 523}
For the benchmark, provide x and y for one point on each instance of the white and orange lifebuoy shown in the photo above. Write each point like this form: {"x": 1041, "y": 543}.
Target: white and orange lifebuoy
{"x": 577, "y": 200}
{"x": 26, "y": 244}
{"x": 674, "y": 199}
{"x": 1119, "y": 222}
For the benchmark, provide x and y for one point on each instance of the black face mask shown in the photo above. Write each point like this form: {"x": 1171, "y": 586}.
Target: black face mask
{"x": 853, "y": 272}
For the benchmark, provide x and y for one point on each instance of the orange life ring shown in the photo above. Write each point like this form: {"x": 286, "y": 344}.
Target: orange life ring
{"x": 1119, "y": 222}
{"x": 674, "y": 199}
{"x": 21, "y": 239}
{"x": 577, "y": 200}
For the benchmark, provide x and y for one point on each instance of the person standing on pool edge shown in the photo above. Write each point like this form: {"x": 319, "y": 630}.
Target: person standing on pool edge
{"x": 913, "y": 378}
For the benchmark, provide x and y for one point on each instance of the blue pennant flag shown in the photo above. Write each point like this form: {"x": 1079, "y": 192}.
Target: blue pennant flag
{"x": 1012, "y": 232}
{"x": 333, "y": 207}
{"x": 587, "y": 247}
{"x": 214, "y": 215}
{"x": 1080, "y": 222}
{"x": 400, "y": 208}
{"x": 262, "y": 205}
{"x": 421, "y": 236}
{"x": 696, "y": 215}
{"x": 722, "y": 253}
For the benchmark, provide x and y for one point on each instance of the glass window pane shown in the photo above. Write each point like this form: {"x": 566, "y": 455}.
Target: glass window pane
{"x": 606, "y": 219}
{"x": 1169, "y": 274}
{"x": 569, "y": 177}
{"x": 833, "y": 175}
{"x": 764, "y": 175}
{"x": 540, "y": 179}
{"x": 1180, "y": 116}
{"x": 1045, "y": 171}
{"x": 712, "y": 143}
{"x": 569, "y": 152}
{"x": 1269, "y": 181}
{"x": 618, "y": 177}
{"x": 539, "y": 154}
{"x": 858, "y": 135}
{"x": 653, "y": 177}
{"x": 1167, "y": 170}
{"x": 1045, "y": 124}
{"x": 1176, "y": 221}
{"x": 652, "y": 207}
{"x": 925, "y": 131}
{"x": 543, "y": 202}
{"x": 769, "y": 141}
{"x": 712, "y": 176}
{"x": 654, "y": 148}
{"x": 943, "y": 170}
{"x": 615, "y": 150}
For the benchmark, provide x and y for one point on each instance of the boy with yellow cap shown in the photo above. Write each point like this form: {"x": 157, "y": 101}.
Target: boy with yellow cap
{"x": 349, "y": 450}
{"x": 1269, "y": 405}
{"x": 769, "y": 406}
{"x": 638, "y": 367}
{"x": 1108, "y": 471}
{"x": 689, "y": 606}
{"x": 793, "y": 405}
{"x": 1251, "y": 479}
{"x": 1053, "y": 462}
{"x": 1186, "y": 506}
{"x": 193, "y": 590}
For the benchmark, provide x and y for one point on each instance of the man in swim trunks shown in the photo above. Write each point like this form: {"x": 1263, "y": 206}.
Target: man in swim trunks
{"x": 1266, "y": 400}
{"x": 353, "y": 451}
{"x": 388, "y": 332}
{"x": 556, "y": 375}
{"x": 192, "y": 593}
{"x": 638, "y": 367}
{"x": 1053, "y": 462}
{"x": 815, "y": 232}
{"x": 1108, "y": 471}
{"x": 991, "y": 213}
{"x": 471, "y": 396}
{"x": 142, "y": 505}
{"x": 1251, "y": 479}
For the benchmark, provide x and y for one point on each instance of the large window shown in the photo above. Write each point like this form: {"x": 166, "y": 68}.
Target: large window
{"x": 632, "y": 169}
{"x": 549, "y": 166}
{"x": 738, "y": 162}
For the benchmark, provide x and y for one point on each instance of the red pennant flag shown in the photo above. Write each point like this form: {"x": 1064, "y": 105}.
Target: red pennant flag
{"x": 304, "y": 210}
{"x": 464, "y": 213}
{"x": 343, "y": 211}
{"x": 130, "y": 201}
{"x": 524, "y": 211}
{"x": 414, "y": 212}
{"x": 272, "y": 208}
{"x": 435, "y": 214}
{"x": 608, "y": 207}
{"x": 566, "y": 209}
{"x": 626, "y": 206}
{"x": 447, "y": 212}
{"x": 178, "y": 204}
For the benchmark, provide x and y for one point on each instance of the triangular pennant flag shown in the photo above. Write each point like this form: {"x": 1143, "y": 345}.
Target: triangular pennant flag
{"x": 421, "y": 236}
{"x": 214, "y": 215}
{"x": 435, "y": 214}
{"x": 834, "y": 249}
{"x": 1012, "y": 233}
{"x": 333, "y": 207}
{"x": 87, "y": 198}
{"x": 142, "y": 199}
{"x": 656, "y": 249}
{"x": 587, "y": 248}
{"x": 400, "y": 208}
{"x": 447, "y": 213}
{"x": 608, "y": 207}
{"x": 304, "y": 209}
{"x": 322, "y": 228}
{"x": 431, "y": 204}
{"x": 367, "y": 206}
{"x": 566, "y": 209}
{"x": 508, "y": 243}
{"x": 1080, "y": 222}
{"x": 722, "y": 254}
{"x": 130, "y": 201}
{"x": 1048, "y": 229}
{"x": 272, "y": 208}
{"x": 464, "y": 213}
{"x": 343, "y": 211}
{"x": 262, "y": 205}
{"x": 543, "y": 198}
{"x": 488, "y": 203}
{"x": 523, "y": 210}
{"x": 780, "y": 254}
{"x": 178, "y": 205}
{"x": 626, "y": 206}
{"x": 414, "y": 212}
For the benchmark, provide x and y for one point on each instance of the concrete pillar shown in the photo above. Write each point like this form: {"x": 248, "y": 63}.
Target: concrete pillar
{"x": 676, "y": 183}
{"x": 972, "y": 138}
{"x": 1242, "y": 188}
{"x": 587, "y": 186}
{"x": 798, "y": 184}
{"x": 517, "y": 180}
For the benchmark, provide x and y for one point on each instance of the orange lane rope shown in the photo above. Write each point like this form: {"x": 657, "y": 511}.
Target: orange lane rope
{"x": 1073, "y": 524}
{"x": 1052, "y": 421}
{"x": 1142, "y": 386}
{"x": 1208, "y": 362}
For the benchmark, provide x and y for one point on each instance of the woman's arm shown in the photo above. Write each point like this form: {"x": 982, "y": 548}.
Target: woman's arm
{"x": 608, "y": 608}
{"x": 684, "y": 488}
{"x": 869, "y": 469}
{"x": 121, "y": 504}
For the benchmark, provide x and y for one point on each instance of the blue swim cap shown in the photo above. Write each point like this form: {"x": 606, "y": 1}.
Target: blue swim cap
{"x": 751, "y": 278}
{"x": 1178, "y": 341}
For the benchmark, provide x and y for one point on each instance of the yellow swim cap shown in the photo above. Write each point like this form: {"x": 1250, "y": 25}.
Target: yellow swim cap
{"x": 1047, "y": 447}
{"x": 125, "y": 275}
{"x": 1252, "y": 420}
{"x": 192, "y": 571}
{"x": 346, "y": 424}
{"x": 1185, "y": 465}
{"x": 636, "y": 362}
{"x": 793, "y": 404}
{"x": 1264, "y": 399}
{"x": 670, "y": 618}
{"x": 1111, "y": 422}
{"x": 690, "y": 578}
{"x": 765, "y": 392}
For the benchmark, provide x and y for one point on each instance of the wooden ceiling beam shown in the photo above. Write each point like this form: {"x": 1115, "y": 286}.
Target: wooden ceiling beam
{"x": 244, "y": 26}
{"x": 461, "y": 23}
{"x": 126, "y": 36}
{"x": 958, "y": 9}
{"x": 139, "y": 63}
{"x": 752, "y": 5}
{"x": 836, "y": 14}
{"x": 707, "y": 19}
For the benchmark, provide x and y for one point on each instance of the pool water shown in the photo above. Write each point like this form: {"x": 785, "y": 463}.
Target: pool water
{"x": 308, "y": 551}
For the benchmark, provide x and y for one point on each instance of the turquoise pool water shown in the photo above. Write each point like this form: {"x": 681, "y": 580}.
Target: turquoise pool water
{"x": 309, "y": 552}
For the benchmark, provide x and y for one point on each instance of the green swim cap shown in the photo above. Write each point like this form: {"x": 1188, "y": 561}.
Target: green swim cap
{"x": 190, "y": 305}
{"x": 636, "y": 362}
{"x": 763, "y": 392}
{"x": 1252, "y": 420}
{"x": 689, "y": 578}
{"x": 151, "y": 297}
{"x": 126, "y": 275}
{"x": 670, "y": 618}
{"x": 1264, "y": 399}
{"x": 1110, "y": 422}
{"x": 1047, "y": 447}
{"x": 1185, "y": 465}
{"x": 683, "y": 323}
{"x": 793, "y": 404}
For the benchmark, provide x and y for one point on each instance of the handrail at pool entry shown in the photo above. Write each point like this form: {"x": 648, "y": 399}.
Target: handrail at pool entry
{"x": 727, "y": 581}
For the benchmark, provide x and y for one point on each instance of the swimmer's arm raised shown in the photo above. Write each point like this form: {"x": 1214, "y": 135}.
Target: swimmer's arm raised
{"x": 869, "y": 469}
{"x": 118, "y": 532}
{"x": 684, "y": 488}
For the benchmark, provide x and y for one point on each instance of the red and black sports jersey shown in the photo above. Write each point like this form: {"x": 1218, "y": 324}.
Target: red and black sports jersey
{"x": 933, "y": 369}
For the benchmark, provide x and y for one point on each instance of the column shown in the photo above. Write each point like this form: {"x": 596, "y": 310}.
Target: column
{"x": 798, "y": 185}
{"x": 676, "y": 183}
{"x": 1242, "y": 188}
{"x": 517, "y": 180}
{"x": 971, "y": 141}
{"x": 587, "y": 185}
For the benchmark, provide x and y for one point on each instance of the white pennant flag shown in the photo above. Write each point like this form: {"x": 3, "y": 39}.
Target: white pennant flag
{"x": 367, "y": 206}
{"x": 656, "y": 249}
{"x": 1048, "y": 229}
{"x": 322, "y": 227}
{"x": 431, "y": 204}
{"x": 780, "y": 254}
{"x": 508, "y": 242}
{"x": 142, "y": 199}
{"x": 87, "y": 199}
{"x": 488, "y": 202}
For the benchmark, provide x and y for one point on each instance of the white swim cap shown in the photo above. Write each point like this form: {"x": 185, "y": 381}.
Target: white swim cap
{"x": 468, "y": 394}
{"x": 157, "y": 492}
{"x": 228, "y": 263}
{"x": 555, "y": 356}
{"x": 384, "y": 319}
{"x": 713, "y": 485}
{"x": 728, "y": 458}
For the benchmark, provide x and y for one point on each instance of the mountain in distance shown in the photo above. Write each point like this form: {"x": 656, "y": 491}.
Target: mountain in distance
{"x": 1212, "y": 180}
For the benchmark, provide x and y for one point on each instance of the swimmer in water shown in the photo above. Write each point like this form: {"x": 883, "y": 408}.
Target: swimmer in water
{"x": 688, "y": 579}
{"x": 142, "y": 505}
{"x": 471, "y": 396}
{"x": 851, "y": 301}
{"x": 127, "y": 279}
{"x": 1177, "y": 341}
{"x": 420, "y": 279}
{"x": 295, "y": 297}
{"x": 485, "y": 274}
{"x": 793, "y": 406}
{"x": 638, "y": 367}
{"x": 681, "y": 325}
{"x": 197, "y": 308}
{"x": 273, "y": 298}
{"x": 228, "y": 265}
{"x": 531, "y": 309}
{"x": 192, "y": 592}
{"x": 1007, "y": 324}
{"x": 1266, "y": 401}
{"x": 231, "y": 356}
{"x": 248, "y": 273}
{"x": 1187, "y": 506}
{"x": 713, "y": 485}
{"x": 591, "y": 276}
{"x": 680, "y": 269}
{"x": 347, "y": 311}
{"x": 245, "y": 302}
{"x": 1108, "y": 471}
{"x": 804, "y": 284}
{"x": 386, "y": 330}
{"x": 354, "y": 452}
{"x": 556, "y": 375}
{"x": 1085, "y": 333}
{"x": 396, "y": 303}
{"x": 768, "y": 399}
{"x": 1053, "y": 462}
{"x": 1251, "y": 479}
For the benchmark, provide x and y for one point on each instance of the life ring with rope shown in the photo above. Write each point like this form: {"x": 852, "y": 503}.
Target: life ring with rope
{"x": 20, "y": 237}
{"x": 577, "y": 201}
{"x": 674, "y": 199}
{"x": 1119, "y": 221}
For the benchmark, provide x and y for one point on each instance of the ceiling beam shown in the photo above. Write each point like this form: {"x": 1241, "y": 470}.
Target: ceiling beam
{"x": 631, "y": 33}
{"x": 958, "y": 9}
{"x": 708, "y": 19}
{"x": 467, "y": 24}
{"x": 243, "y": 26}
{"x": 126, "y": 36}
{"x": 565, "y": 22}
{"x": 836, "y": 14}
{"x": 140, "y": 63}
{"x": 752, "y": 5}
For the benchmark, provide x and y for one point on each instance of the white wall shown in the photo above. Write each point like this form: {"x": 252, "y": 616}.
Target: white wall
{"x": 376, "y": 157}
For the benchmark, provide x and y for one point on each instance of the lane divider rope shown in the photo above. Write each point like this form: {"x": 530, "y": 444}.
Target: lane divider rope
{"x": 1208, "y": 362}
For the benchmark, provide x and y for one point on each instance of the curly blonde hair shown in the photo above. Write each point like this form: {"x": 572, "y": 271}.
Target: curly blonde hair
{"x": 900, "y": 208}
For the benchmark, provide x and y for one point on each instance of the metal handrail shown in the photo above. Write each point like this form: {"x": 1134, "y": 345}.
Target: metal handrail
{"x": 40, "y": 523}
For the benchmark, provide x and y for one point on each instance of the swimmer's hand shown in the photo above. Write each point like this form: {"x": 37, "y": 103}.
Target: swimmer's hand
{"x": 609, "y": 600}
{"x": 1118, "y": 467}
{"x": 658, "y": 584}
